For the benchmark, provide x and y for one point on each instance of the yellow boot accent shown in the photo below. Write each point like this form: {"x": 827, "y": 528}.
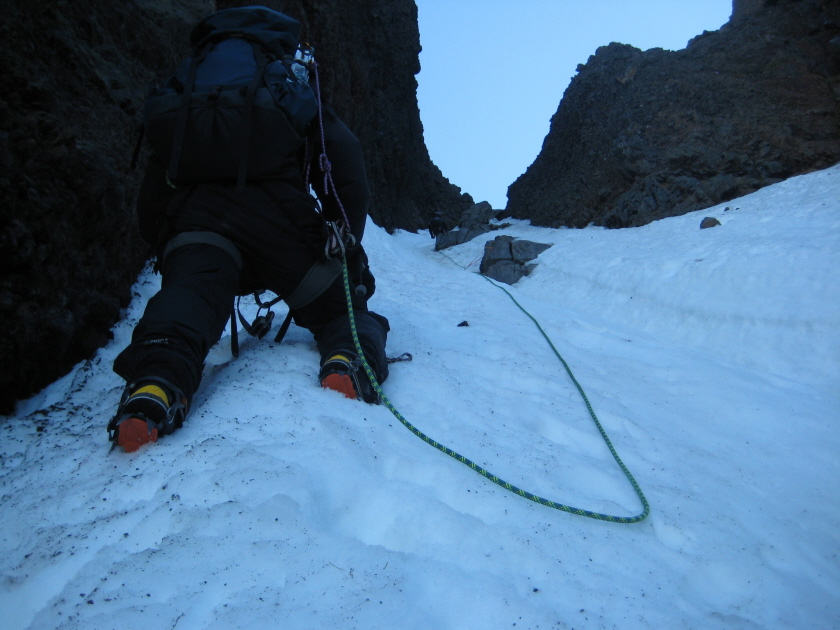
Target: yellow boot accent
{"x": 152, "y": 390}
{"x": 337, "y": 357}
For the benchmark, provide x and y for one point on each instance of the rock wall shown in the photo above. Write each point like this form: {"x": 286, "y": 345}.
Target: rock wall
{"x": 640, "y": 136}
{"x": 74, "y": 73}
{"x": 741, "y": 8}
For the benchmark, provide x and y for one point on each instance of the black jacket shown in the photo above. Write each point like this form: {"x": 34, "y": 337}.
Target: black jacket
{"x": 163, "y": 210}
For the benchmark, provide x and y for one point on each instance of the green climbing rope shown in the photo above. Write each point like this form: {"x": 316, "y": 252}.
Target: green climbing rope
{"x": 481, "y": 471}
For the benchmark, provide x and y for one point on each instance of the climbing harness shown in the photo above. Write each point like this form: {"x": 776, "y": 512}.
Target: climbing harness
{"x": 481, "y": 471}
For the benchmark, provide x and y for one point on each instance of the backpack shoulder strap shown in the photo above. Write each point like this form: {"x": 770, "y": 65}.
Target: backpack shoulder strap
{"x": 245, "y": 142}
{"x": 183, "y": 112}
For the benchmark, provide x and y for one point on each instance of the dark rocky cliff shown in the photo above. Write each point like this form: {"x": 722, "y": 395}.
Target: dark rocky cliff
{"x": 641, "y": 135}
{"x": 74, "y": 73}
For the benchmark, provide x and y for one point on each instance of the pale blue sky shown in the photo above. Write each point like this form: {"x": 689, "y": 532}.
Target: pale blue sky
{"x": 493, "y": 72}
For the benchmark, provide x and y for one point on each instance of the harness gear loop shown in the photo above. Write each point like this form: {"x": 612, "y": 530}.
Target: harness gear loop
{"x": 262, "y": 323}
{"x": 339, "y": 240}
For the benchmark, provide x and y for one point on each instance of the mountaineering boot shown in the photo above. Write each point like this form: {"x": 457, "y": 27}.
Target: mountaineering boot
{"x": 149, "y": 409}
{"x": 343, "y": 372}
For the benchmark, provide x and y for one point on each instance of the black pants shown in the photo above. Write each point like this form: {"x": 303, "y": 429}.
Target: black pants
{"x": 190, "y": 312}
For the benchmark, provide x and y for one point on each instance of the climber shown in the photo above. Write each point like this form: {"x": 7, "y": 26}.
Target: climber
{"x": 249, "y": 224}
{"x": 437, "y": 226}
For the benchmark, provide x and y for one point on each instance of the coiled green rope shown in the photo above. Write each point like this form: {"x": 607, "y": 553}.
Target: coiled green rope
{"x": 481, "y": 471}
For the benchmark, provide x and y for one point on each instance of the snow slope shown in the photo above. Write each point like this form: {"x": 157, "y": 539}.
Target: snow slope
{"x": 710, "y": 356}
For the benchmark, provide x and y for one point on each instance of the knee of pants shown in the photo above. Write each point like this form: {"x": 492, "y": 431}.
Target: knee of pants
{"x": 196, "y": 296}
{"x": 188, "y": 314}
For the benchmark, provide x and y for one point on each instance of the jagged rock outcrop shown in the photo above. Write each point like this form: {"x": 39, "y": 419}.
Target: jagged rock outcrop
{"x": 640, "y": 136}
{"x": 474, "y": 222}
{"x": 74, "y": 73}
{"x": 507, "y": 259}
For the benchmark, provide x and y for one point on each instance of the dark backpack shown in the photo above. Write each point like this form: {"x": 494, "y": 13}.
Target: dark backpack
{"x": 240, "y": 107}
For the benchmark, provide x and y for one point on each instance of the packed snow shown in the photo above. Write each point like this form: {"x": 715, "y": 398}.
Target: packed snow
{"x": 710, "y": 357}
